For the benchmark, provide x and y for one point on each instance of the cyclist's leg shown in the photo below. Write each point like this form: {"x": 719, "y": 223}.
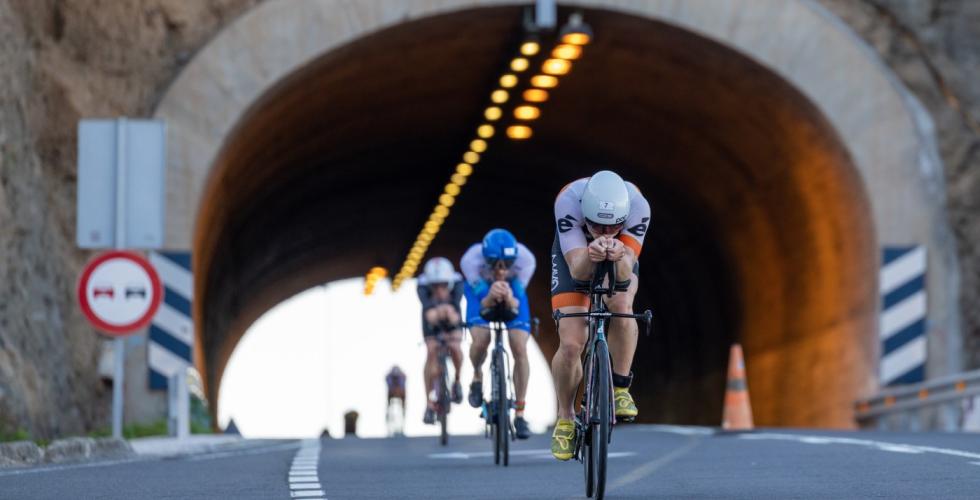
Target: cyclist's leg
{"x": 622, "y": 347}
{"x": 480, "y": 337}
{"x": 453, "y": 340}
{"x": 431, "y": 366}
{"x": 566, "y": 370}
{"x": 566, "y": 366}
{"x": 519, "y": 330}
{"x": 623, "y": 332}
{"x": 518, "y": 348}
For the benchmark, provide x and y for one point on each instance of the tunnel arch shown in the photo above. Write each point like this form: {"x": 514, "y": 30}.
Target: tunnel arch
{"x": 787, "y": 205}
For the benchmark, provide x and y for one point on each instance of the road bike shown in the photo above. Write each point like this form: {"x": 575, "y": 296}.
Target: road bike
{"x": 597, "y": 415}
{"x": 496, "y": 411}
{"x": 443, "y": 397}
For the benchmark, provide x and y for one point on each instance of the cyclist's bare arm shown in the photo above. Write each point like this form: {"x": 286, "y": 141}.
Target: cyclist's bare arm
{"x": 580, "y": 264}
{"x": 624, "y": 257}
{"x": 506, "y": 296}
{"x": 442, "y": 313}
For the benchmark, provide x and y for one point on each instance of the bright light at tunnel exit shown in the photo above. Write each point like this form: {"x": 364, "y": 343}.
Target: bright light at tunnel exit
{"x": 326, "y": 351}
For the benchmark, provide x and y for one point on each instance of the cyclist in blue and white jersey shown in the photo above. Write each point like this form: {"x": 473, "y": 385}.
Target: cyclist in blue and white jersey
{"x": 497, "y": 271}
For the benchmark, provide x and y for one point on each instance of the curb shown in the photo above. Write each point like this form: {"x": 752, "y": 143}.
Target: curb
{"x": 23, "y": 453}
{"x": 19, "y": 453}
{"x": 83, "y": 448}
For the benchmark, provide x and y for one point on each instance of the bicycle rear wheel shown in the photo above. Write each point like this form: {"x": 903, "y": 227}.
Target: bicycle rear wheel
{"x": 493, "y": 411}
{"x": 587, "y": 428}
{"x": 602, "y": 413}
{"x": 443, "y": 401}
{"x": 503, "y": 410}
{"x": 587, "y": 461}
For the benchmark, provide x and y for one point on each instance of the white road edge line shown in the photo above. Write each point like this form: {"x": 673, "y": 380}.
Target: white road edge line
{"x": 868, "y": 443}
{"x": 684, "y": 430}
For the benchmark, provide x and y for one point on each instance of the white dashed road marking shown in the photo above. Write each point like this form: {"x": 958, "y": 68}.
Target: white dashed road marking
{"x": 303, "y": 479}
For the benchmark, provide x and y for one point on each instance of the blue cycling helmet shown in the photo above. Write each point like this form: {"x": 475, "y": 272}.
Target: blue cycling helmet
{"x": 499, "y": 244}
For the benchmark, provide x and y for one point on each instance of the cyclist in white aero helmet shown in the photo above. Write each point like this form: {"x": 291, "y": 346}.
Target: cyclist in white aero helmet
{"x": 598, "y": 218}
{"x": 440, "y": 290}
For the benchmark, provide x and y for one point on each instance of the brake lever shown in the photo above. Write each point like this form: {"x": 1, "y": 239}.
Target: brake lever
{"x": 648, "y": 319}
{"x": 535, "y": 326}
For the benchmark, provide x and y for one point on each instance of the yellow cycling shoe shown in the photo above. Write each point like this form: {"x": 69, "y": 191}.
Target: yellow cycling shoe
{"x": 563, "y": 440}
{"x": 625, "y": 407}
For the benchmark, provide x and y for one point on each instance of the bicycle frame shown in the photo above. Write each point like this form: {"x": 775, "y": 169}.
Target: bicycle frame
{"x": 497, "y": 330}
{"x": 603, "y": 283}
{"x": 442, "y": 383}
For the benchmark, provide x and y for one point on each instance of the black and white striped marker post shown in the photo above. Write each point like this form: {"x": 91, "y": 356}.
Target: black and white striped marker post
{"x": 303, "y": 479}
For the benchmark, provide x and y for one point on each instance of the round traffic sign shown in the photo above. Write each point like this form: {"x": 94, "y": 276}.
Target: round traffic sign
{"x": 119, "y": 292}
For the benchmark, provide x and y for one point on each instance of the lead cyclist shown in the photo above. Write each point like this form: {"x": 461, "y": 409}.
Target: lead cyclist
{"x": 598, "y": 218}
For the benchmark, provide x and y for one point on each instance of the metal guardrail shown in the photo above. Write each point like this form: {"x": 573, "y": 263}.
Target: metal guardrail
{"x": 910, "y": 398}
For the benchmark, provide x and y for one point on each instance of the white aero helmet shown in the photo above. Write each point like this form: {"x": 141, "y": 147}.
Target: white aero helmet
{"x": 439, "y": 270}
{"x": 606, "y": 200}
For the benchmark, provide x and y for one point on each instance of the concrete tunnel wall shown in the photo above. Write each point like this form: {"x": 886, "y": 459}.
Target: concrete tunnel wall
{"x": 762, "y": 228}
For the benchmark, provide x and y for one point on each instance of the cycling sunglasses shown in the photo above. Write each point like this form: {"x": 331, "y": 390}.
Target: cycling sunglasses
{"x": 495, "y": 263}
{"x": 604, "y": 228}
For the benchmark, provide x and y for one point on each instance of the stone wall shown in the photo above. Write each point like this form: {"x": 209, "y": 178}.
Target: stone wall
{"x": 933, "y": 46}
{"x": 60, "y": 61}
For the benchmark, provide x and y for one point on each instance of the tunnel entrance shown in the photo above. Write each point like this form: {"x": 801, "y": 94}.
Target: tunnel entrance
{"x": 761, "y": 228}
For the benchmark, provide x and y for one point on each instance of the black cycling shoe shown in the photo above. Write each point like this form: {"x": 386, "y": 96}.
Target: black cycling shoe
{"x": 520, "y": 428}
{"x": 430, "y": 416}
{"x": 457, "y": 392}
{"x": 476, "y": 394}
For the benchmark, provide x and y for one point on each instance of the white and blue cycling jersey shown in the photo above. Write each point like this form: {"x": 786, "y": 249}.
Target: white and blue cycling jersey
{"x": 478, "y": 276}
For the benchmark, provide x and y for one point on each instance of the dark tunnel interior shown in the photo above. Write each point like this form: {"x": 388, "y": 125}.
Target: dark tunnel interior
{"x": 760, "y": 228}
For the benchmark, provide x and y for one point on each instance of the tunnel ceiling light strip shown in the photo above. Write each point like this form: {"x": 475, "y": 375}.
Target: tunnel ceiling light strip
{"x": 492, "y": 113}
{"x": 526, "y": 112}
{"x": 530, "y": 48}
{"x": 544, "y": 81}
{"x": 535, "y": 95}
{"x": 573, "y": 36}
{"x": 567, "y": 52}
{"x": 375, "y": 274}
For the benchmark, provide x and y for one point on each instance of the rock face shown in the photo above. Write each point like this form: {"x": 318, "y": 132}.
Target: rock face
{"x": 934, "y": 48}
{"x": 59, "y": 61}
{"x": 64, "y": 59}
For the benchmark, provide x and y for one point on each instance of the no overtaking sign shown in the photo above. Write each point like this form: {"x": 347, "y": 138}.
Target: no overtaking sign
{"x": 119, "y": 292}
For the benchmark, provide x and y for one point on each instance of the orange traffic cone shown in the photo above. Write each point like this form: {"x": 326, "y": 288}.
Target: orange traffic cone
{"x": 738, "y": 410}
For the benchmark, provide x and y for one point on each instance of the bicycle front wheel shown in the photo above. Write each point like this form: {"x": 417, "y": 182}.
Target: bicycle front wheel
{"x": 503, "y": 409}
{"x": 601, "y": 417}
{"x": 443, "y": 402}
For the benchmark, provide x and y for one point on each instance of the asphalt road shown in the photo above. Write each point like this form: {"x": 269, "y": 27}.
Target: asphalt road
{"x": 645, "y": 462}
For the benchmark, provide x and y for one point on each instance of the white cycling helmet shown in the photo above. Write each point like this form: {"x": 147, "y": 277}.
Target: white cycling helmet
{"x": 439, "y": 270}
{"x": 606, "y": 200}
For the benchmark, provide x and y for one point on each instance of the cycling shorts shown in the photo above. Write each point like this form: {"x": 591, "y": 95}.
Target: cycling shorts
{"x": 563, "y": 292}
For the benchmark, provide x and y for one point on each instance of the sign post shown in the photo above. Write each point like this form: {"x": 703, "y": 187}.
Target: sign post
{"x": 120, "y": 205}
{"x": 119, "y": 292}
